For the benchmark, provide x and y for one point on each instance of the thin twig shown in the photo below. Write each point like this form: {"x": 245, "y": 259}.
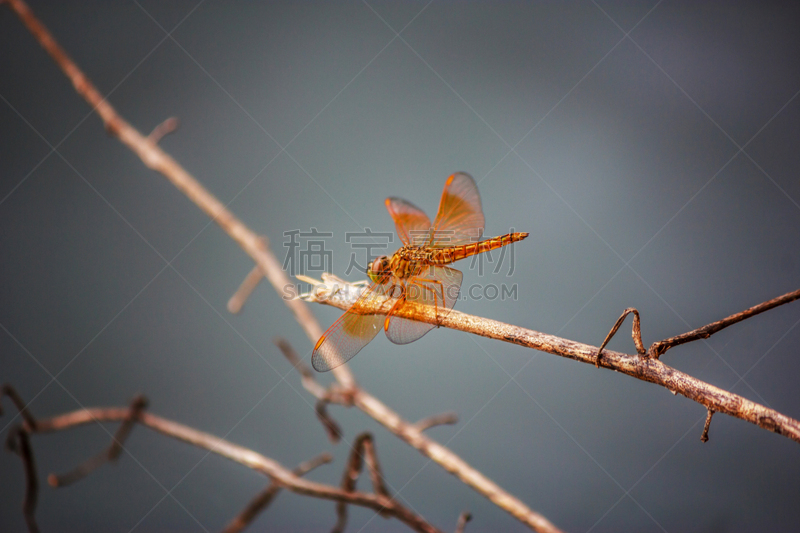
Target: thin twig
{"x": 19, "y": 443}
{"x": 238, "y": 454}
{"x": 332, "y": 429}
{"x": 138, "y": 404}
{"x": 367, "y": 443}
{"x": 244, "y": 291}
{"x": 165, "y": 128}
{"x": 19, "y": 403}
{"x": 644, "y": 368}
{"x": 657, "y": 349}
{"x": 704, "y": 436}
{"x": 463, "y": 518}
{"x": 307, "y": 377}
{"x": 248, "y": 285}
{"x": 636, "y": 333}
{"x": 362, "y": 451}
{"x": 436, "y": 420}
{"x": 259, "y": 504}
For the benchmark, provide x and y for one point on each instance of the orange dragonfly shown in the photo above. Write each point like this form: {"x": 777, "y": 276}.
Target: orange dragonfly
{"x": 416, "y": 273}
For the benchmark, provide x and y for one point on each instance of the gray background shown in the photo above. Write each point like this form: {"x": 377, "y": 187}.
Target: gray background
{"x": 657, "y": 170}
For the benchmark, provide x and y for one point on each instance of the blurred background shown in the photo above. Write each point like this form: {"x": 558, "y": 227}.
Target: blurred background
{"x": 650, "y": 149}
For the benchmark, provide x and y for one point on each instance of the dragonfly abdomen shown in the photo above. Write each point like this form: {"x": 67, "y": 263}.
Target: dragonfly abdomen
{"x": 452, "y": 254}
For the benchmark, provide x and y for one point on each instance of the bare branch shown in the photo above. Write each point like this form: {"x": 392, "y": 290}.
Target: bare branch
{"x": 258, "y": 504}
{"x": 137, "y": 406}
{"x": 657, "y": 349}
{"x": 636, "y": 333}
{"x": 436, "y": 420}
{"x": 644, "y": 368}
{"x": 239, "y": 454}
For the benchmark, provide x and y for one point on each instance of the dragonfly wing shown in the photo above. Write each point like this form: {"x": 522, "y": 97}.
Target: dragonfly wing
{"x": 350, "y": 333}
{"x": 413, "y": 225}
{"x": 460, "y": 217}
{"x": 437, "y": 286}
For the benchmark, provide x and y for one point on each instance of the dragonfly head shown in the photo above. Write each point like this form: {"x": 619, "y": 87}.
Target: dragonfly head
{"x": 378, "y": 270}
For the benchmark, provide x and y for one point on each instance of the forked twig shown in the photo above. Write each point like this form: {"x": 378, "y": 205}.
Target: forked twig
{"x": 657, "y": 349}
{"x": 259, "y": 504}
{"x": 636, "y": 333}
{"x": 362, "y": 451}
{"x": 138, "y": 404}
{"x": 644, "y": 368}
{"x": 253, "y": 460}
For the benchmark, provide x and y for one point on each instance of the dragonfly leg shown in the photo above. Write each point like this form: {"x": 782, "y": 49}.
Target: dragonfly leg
{"x": 400, "y": 299}
{"x": 420, "y": 282}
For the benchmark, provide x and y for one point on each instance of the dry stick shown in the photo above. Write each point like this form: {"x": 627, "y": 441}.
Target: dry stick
{"x": 239, "y": 454}
{"x": 155, "y": 158}
{"x": 644, "y": 368}
{"x": 636, "y": 333}
{"x": 244, "y": 291}
{"x": 658, "y": 348}
{"x": 262, "y": 501}
{"x": 111, "y": 454}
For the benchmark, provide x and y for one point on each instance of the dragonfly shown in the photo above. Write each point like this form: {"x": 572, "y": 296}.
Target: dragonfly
{"x": 416, "y": 275}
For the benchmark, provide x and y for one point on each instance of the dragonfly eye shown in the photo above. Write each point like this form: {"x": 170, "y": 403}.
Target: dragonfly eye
{"x": 378, "y": 268}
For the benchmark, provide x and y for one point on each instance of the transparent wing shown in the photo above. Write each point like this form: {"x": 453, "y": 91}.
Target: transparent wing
{"x": 412, "y": 224}
{"x": 436, "y": 286}
{"x": 460, "y": 217}
{"x": 351, "y": 332}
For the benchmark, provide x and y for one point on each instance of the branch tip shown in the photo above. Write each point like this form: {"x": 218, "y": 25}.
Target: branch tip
{"x": 704, "y": 436}
{"x": 436, "y": 420}
{"x": 165, "y": 128}
{"x": 463, "y": 518}
{"x": 248, "y": 285}
{"x": 657, "y": 349}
